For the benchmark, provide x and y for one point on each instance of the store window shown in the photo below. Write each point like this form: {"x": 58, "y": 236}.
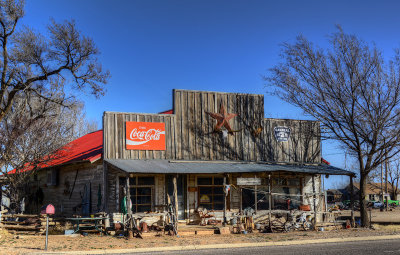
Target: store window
{"x": 287, "y": 193}
{"x": 141, "y": 191}
{"x": 211, "y": 192}
{"x": 248, "y": 197}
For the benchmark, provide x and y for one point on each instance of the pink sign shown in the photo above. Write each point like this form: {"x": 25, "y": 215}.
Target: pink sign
{"x": 48, "y": 210}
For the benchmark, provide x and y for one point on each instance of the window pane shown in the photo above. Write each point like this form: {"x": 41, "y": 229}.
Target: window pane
{"x": 218, "y": 190}
{"x": 218, "y": 198}
{"x": 144, "y": 199}
{"x": 146, "y": 181}
{"x": 132, "y": 181}
{"x": 206, "y": 206}
{"x": 144, "y": 208}
{"x": 144, "y": 191}
{"x": 133, "y": 191}
{"x": 218, "y": 181}
{"x": 218, "y": 206}
{"x": 204, "y": 181}
{"x": 122, "y": 181}
{"x": 294, "y": 182}
{"x": 205, "y": 190}
{"x": 279, "y": 182}
{"x": 247, "y": 198}
{"x": 262, "y": 198}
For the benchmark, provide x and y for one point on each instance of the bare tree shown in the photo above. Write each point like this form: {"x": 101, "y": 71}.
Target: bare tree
{"x": 31, "y": 135}
{"x": 351, "y": 90}
{"x": 393, "y": 174}
{"x": 37, "y": 116}
{"x": 83, "y": 126}
{"x": 394, "y": 177}
{"x": 30, "y": 60}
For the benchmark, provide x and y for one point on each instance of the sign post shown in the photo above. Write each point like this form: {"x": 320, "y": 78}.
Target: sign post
{"x": 47, "y": 232}
{"x": 49, "y": 210}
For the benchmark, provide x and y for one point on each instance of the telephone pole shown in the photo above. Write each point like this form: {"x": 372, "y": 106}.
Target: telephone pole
{"x": 386, "y": 180}
{"x": 382, "y": 183}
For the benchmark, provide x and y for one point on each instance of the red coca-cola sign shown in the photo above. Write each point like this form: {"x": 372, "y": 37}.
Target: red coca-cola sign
{"x": 145, "y": 135}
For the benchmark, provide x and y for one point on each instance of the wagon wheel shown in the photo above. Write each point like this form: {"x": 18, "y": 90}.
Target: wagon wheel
{"x": 288, "y": 226}
{"x": 307, "y": 225}
{"x": 277, "y": 225}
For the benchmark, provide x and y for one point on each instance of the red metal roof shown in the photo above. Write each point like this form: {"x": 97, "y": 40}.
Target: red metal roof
{"x": 325, "y": 161}
{"x": 86, "y": 148}
{"x": 167, "y": 112}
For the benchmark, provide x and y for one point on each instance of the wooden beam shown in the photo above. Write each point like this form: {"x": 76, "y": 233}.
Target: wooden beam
{"x": 269, "y": 200}
{"x": 175, "y": 196}
{"x": 225, "y": 194}
{"x": 255, "y": 199}
{"x": 128, "y": 196}
{"x": 105, "y": 188}
{"x": 241, "y": 202}
{"x": 129, "y": 205}
{"x": 314, "y": 202}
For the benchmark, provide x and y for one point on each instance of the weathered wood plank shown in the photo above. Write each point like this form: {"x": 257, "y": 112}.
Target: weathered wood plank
{"x": 191, "y": 130}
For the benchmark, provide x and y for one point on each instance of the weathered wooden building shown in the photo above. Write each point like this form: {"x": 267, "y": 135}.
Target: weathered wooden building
{"x": 217, "y": 147}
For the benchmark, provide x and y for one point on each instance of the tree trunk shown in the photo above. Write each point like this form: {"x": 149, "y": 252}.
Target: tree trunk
{"x": 363, "y": 202}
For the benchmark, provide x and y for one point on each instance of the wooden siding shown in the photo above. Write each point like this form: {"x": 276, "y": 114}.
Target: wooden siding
{"x": 60, "y": 195}
{"x": 190, "y": 133}
{"x": 304, "y": 144}
{"x": 114, "y": 136}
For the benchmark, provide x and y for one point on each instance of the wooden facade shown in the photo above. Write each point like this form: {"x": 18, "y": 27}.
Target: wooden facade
{"x": 190, "y": 133}
{"x": 191, "y": 136}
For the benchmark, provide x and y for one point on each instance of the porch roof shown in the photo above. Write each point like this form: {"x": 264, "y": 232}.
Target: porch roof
{"x": 213, "y": 167}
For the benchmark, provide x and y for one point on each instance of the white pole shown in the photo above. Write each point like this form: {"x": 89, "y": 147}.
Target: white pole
{"x": 47, "y": 231}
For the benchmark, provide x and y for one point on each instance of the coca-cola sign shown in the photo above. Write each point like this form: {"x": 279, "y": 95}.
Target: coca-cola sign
{"x": 145, "y": 136}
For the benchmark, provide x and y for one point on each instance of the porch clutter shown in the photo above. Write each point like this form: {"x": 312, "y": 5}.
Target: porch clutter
{"x": 205, "y": 216}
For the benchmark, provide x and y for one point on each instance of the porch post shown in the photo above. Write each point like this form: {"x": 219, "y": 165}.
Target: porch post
{"x": 129, "y": 209}
{"x": 225, "y": 194}
{"x": 241, "y": 201}
{"x": 255, "y": 199}
{"x": 269, "y": 200}
{"x": 314, "y": 203}
{"x": 128, "y": 196}
{"x": 104, "y": 189}
{"x": 352, "y": 201}
{"x": 175, "y": 196}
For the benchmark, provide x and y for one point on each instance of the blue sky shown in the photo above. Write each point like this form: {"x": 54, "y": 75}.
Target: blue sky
{"x": 153, "y": 46}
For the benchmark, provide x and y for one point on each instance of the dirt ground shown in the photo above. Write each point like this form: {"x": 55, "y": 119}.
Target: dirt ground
{"x": 11, "y": 244}
{"x": 25, "y": 244}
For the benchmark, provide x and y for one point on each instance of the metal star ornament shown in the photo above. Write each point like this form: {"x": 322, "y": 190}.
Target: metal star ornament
{"x": 222, "y": 119}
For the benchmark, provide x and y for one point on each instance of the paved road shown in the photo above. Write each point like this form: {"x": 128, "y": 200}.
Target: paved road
{"x": 354, "y": 248}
